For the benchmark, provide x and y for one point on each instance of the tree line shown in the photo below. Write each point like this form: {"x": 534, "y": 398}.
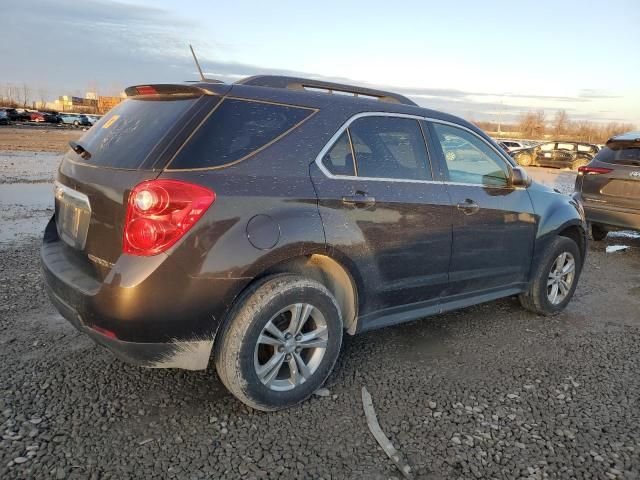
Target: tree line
{"x": 535, "y": 126}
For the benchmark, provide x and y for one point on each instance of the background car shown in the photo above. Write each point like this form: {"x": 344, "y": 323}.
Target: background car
{"x": 51, "y": 117}
{"x": 556, "y": 154}
{"x": 36, "y": 117}
{"x": 512, "y": 145}
{"x": 609, "y": 186}
{"x": 16, "y": 115}
{"x": 75, "y": 119}
{"x": 4, "y": 118}
{"x": 93, "y": 119}
{"x": 503, "y": 146}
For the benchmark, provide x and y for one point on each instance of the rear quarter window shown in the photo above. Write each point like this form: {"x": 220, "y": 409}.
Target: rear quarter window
{"x": 237, "y": 129}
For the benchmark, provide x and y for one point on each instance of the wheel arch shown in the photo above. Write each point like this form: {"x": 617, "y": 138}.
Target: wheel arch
{"x": 330, "y": 273}
{"x": 576, "y": 233}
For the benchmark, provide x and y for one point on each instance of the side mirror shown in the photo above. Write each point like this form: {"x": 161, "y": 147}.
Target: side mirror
{"x": 519, "y": 177}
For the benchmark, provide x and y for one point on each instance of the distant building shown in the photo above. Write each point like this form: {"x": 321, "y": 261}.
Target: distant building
{"x": 91, "y": 103}
{"x": 107, "y": 103}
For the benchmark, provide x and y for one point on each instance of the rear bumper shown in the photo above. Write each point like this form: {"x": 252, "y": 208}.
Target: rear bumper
{"x": 188, "y": 355}
{"x": 617, "y": 217}
{"x": 146, "y": 310}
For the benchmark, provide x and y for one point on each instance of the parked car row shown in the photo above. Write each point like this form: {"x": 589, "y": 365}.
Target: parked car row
{"x": 23, "y": 115}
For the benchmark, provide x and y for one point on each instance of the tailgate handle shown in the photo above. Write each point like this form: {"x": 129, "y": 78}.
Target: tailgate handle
{"x": 360, "y": 199}
{"x": 468, "y": 207}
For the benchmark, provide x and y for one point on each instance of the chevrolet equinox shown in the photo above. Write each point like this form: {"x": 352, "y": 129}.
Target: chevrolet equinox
{"x": 257, "y": 222}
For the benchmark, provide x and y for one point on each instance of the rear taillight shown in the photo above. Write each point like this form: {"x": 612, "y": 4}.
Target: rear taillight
{"x": 160, "y": 212}
{"x": 586, "y": 170}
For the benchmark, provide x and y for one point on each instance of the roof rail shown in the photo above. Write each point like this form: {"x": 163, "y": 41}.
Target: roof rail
{"x": 296, "y": 83}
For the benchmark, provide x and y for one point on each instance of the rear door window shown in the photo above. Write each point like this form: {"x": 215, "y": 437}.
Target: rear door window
{"x": 131, "y": 130}
{"x": 236, "y": 130}
{"x": 339, "y": 159}
{"x": 390, "y": 147}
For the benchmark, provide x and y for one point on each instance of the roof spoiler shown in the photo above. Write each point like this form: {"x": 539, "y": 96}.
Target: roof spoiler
{"x": 296, "y": 83}
{"x": 165, "y": 89}
{"x": 625, "y": 140}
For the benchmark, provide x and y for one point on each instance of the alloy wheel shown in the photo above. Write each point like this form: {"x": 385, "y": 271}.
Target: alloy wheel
{"x": 560, "y": 278}
{"x": 291, "y": 347}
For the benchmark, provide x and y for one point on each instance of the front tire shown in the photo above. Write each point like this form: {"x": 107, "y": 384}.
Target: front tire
{"x": 280, "y": 342}
{"x": 554, "y": 279}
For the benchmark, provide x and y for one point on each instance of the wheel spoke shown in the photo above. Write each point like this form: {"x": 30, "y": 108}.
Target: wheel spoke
{"x": 554, "y": 293}
{"x": 564, "y": 287}
{"x": 267, "y": 340}
{"x": 550, "y": 281}
{"x": 569, "y": 267}
{"x": 269, "y": 370}
{"x": 302, "y": 367}
{"x": 314, "y": 339}
{"x": 294, "y": 373}
{"x": 275, "y": 331}
{"x": 299, "y": 315}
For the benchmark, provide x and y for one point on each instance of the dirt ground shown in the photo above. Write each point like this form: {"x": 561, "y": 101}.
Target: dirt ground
{"x": 37, "y": 138}
{"x": 491, "y": 391}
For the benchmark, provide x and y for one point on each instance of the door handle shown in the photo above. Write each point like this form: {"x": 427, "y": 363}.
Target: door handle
{"x": 468, "y": 207}
{"x": 360, "y": 199}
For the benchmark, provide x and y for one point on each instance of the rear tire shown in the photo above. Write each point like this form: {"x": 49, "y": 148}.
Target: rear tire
{"x": 260, "y": 333}
{"x": 539, "y": 297}
{"x": 598, "y": 233}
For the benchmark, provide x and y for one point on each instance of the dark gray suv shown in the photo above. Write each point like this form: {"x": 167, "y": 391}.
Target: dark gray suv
{"x": 257, "y": 222}
{"x": 609, "y": 186}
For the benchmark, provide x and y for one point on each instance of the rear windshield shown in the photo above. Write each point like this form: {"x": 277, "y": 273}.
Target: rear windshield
{"x": 621, "y": 156}
{"x": 128, "y": 134}
{"x": 237, "y": 129}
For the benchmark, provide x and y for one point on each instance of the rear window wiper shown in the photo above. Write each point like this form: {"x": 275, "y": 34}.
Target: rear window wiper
{"x": 80, "y": 150}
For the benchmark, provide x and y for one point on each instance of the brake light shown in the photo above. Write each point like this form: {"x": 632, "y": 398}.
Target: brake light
{"x": 146, "y": 90}
{"x": 160, "y": 212}
{"x": 586, "y": 170}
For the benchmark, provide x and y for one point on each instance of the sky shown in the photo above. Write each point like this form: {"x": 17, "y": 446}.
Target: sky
{"x": 489, "y": 60}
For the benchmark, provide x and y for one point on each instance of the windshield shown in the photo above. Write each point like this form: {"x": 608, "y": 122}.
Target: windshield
{"x": 622, "y": 156}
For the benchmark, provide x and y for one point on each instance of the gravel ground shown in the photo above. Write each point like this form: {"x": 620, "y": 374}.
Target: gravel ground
{"x": 490, "y": 391}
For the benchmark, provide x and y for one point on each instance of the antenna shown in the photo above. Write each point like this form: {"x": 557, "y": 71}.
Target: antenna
{"x": 195, "y": 59}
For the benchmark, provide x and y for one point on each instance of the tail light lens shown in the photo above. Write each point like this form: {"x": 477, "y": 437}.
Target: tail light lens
{"x": 586, "y": 170}
{"x": 160, "y": 212}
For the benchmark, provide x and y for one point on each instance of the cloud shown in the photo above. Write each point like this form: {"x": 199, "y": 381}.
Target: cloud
{"x": 68, "y": 46}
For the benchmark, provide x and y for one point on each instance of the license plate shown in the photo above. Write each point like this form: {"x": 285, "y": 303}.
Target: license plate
{"x": 73, "y": 213}
{"x": 547, "y": 155}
